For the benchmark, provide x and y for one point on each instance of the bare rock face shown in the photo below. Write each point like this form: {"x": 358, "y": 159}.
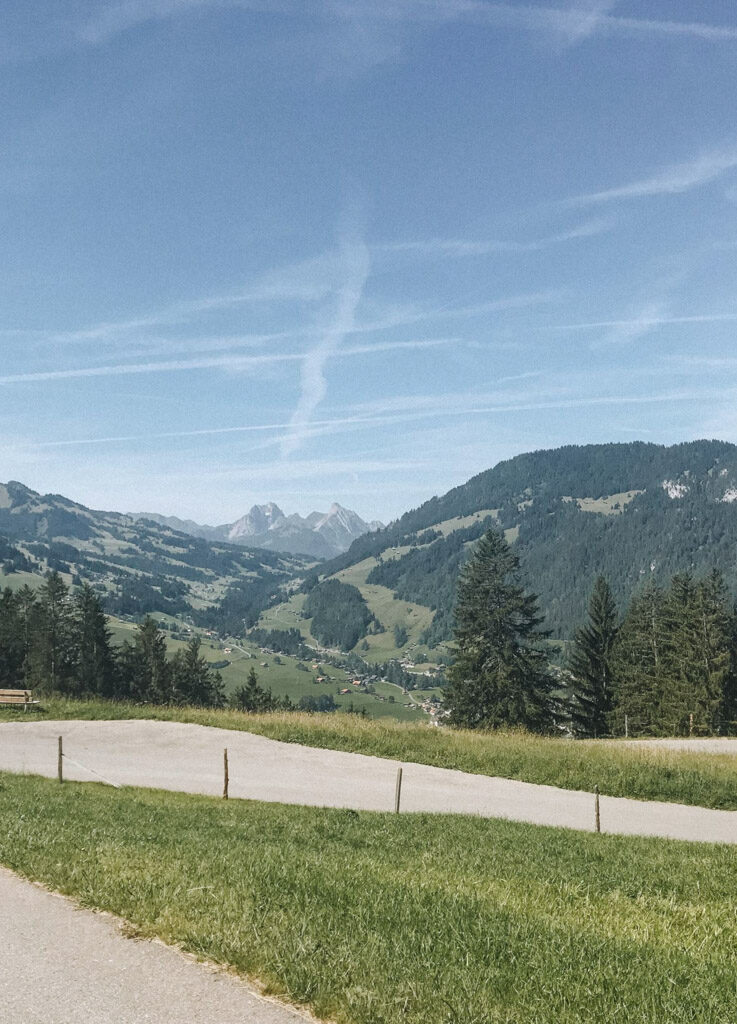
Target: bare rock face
{"x": 319, "y": 534}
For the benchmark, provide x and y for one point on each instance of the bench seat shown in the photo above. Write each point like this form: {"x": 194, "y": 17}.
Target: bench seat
{"x": 22, "y": 697}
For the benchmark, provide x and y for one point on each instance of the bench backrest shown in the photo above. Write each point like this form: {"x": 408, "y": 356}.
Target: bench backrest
{"x": 15, "y": 696}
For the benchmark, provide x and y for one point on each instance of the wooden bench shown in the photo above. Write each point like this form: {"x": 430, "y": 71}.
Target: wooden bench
{"x": 18, "y": 697}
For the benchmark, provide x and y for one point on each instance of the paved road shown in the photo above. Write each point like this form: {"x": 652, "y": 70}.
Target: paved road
{"x": 63, "y": 965}
{"x": 189, "y": 758}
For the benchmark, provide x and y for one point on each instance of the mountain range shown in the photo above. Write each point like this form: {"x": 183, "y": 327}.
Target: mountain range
{"x": 632, "y": 512}
{"x": 318, "y": 535}
{"x": 139, "y": 566}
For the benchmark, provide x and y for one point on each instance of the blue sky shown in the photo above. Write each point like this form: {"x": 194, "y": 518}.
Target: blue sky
{"x": 359, "y": 251}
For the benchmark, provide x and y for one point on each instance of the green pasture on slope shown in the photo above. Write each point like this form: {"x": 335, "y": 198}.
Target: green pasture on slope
{"x": 371, "y": 918}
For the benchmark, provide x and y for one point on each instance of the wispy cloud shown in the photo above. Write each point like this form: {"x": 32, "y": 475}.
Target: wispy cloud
{"x": 232, "y": 363}
{"x": 572, "y": 23}
{"x": 653, "y": 321}
{"x": 636, "y": 328}
{"x": 373, "y": 23}
{"x": 356, "y": 263}
{"x": 460, "y": 247}
{"x": 671, "y": 180}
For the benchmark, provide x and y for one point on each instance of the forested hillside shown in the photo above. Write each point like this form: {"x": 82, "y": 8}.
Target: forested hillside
{"x": 631, "y": 512}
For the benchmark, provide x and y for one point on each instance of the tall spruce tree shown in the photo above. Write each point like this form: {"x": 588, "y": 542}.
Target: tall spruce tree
{"x": 96, "y": 667}
{"x": 699, "y": 653}
{"x": 640, "y": 664}
{"x": 12, "y": 654}
{"x": 500, "y": 676}
{"x": 590, "y": 664}
{"x": 52, "y": 653}
{"x": 27, "y": 608}
{"x": 145, "y": 671}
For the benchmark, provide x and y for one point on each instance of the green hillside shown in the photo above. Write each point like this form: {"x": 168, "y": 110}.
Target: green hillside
{"x": 629, "y": 511}
{"x": 139, "y": 566}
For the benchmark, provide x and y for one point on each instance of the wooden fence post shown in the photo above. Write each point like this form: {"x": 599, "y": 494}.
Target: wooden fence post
{"x": 59, "y": 770}
{"x": 626, "y": 727}
{"x": 597, "y": 816}
{"x": 225, "y": 774}
{"x": 690, "y": 724}
{"x": 398, "y": 791}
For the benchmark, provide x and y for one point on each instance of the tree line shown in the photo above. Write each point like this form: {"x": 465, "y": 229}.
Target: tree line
{"x": 56, "y": 642}
{"x": 667, "y": 666}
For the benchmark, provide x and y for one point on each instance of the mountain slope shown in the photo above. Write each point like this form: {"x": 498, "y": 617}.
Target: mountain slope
{"x": 318, "y": 535}
{"x": 139, "y": 565}
{"x": 629, "y": 511}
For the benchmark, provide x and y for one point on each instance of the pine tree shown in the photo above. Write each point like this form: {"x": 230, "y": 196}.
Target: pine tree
{"x": 95, "y": 662}
{"x": 716, "y": 627}
{"x": 590, "y": 664}
{"x": 639, "y": 665}
{"x": 51, "y": 654}
{"x": 11, "y": 641}
{"x": 193, "y": 681}
{"x": 699, "y": 653}
{"x": 27, "y": 610}
{"x": 252, "y": 696}
{"x": 500, "y": 676}
{"x": 145, "y": 671}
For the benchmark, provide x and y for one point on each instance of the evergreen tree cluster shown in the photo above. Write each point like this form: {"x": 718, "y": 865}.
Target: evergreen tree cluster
{"x": 56, "y": 642}
{"x": 285, "y": 641}
{"x": 673, "y": 661}
{"x": 339, "y": 613}
{"x": 669, "y": 667}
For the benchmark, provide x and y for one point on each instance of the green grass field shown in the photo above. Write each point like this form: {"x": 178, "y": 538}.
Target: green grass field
{"x": 384, "y": 919}
{"x": 706, "y": 780}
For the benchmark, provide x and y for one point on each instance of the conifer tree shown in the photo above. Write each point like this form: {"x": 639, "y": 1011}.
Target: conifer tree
{"x": 146, "y": 673}
{"x": 500, "y": 676}
{"x": 590, "y": 664}
{"x": 253, "y": 697}
{"x": 52, "y": 654}
{"x": 11, "y": 641}
{"x": 639, "y": 664}
{"x": 95, "y": 663}
{"x": 27, "y": 609}
{"x": 193, "y": 681}
{"x": 699, "y": 653}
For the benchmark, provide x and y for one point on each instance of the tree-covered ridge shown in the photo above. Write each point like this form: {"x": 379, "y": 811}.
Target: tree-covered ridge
{"x": 683, "y": 518}
{"x": 340, "y": 615}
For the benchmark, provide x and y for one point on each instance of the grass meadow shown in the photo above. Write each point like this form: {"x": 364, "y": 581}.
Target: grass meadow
{"x": 397, "y": 919}
{"x": 640, "y": 772}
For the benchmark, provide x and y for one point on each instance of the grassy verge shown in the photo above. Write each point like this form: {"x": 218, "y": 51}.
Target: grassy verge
{"x": 706, "y": 780}
{"x": 382, "y": 919}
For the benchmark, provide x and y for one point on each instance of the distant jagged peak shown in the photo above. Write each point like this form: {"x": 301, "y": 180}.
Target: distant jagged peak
{"x": 260, "y": 519}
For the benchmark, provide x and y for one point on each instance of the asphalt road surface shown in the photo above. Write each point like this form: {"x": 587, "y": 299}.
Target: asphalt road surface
{"x": 189, "y": 758}
{"x": 63, "y": 965}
